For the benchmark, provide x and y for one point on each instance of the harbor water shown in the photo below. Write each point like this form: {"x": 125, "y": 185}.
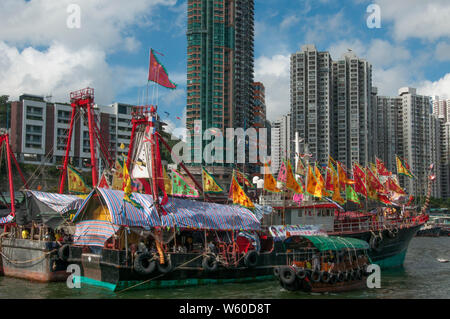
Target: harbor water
{"x": 422, "y": 276}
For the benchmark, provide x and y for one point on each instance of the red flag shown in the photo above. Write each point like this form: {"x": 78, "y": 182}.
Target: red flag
{"x": 360, "y": 184}
{"x": 382, "y": 170}
{"x": 374, "y": 183}
{"x": 392, "y": 186}
{"x": 103, "y": 183}
{"x": 157, "y": 73}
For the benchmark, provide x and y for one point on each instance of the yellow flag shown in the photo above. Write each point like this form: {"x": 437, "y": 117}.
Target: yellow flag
{"x": 167, "y": 182}
{"x": 77, "y": 184}
{"x": 269, "y": 181}
{"x": 312, "y": 185}
{"x": 239, "y": 196}
{"x": 291, "y": 183}
{"x": 402, "y": 169}
{"x": 209, "y": 183}
{"x": 128, "y": 196}
{"x": 337, "y": 194}
{"x": 320, "y": 180}
{"x": 117, "y": 183}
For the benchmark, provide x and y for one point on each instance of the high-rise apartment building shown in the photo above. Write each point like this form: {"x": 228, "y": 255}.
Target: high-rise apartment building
{"x": 352, "y": 98}
{"x": 419, "y": 146}
{"x": 387, "y": 129}
{"x": 220, "y": 36}
{"x": 311, "y": 104}
{"x": 445, "y": 158}
{"x": 280, "y": 140}
{"x": 440, "y": 107}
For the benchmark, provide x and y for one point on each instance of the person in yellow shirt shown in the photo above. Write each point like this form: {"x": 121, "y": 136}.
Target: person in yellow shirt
{"x": 25, "y": 234}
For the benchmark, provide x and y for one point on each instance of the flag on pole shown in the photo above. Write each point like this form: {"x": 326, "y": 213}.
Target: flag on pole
{"x": 117, "y": 182}
{"x": 300, "y": 169}
{"x": 351, "y": 195}
{"x": 403, "y": 169}
{"x": 180, "y": 186}
{"x": 270, "y": 184}
{"x": 157, "y": 72}
{"x": 312, "y": 184}
{"x": 77, "y": 185}
{"x": 128, "y": 195}
{"x": 360, "y": 180}
{"x": 381, "y": 168}
{"x": 239, "y": 196}
{"x": 167, "y": 182}
{"x": 394, "y": 187}
{"x": 210, "y": 185}
{"x": 291, "y": 182}
{"x": 242, "y": 179}
{"x": 337, "y": 193}
{"x": 282, "y": 173}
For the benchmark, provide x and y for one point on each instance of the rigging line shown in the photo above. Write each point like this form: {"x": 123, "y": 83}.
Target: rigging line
{"x": 42, "y": 166}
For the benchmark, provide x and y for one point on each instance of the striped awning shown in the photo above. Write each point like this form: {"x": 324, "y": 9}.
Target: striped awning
{"x": 94, "y": 233}
{"x": 181, "y": 213}
{"x": 6, "y": 219}
{"x": 185, "y": 213}
{"x": 60, "y": 203}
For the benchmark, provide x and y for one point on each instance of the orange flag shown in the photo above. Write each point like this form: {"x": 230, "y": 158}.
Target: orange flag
{"x": 239, "y": 196}
{"x": 291, "y": 183}
{"x": 270, "y": 183}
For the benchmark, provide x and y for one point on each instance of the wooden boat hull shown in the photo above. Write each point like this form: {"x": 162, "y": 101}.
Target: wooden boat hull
{"x": 32, "y": 260}
{"x": 392, "y": 251}
{"x": 114, "y": 271}
{"x": 431, "y": 232}
{"x": 323, "y": 287}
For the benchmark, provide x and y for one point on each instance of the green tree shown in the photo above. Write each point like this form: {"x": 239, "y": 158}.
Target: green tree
{"x": 3, "y": 109}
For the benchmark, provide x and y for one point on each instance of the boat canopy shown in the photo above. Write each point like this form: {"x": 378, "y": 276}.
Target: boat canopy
{"x": 45, "y": 208}
{"x": 335, "y": 243}
{"x": 108, "y": 205}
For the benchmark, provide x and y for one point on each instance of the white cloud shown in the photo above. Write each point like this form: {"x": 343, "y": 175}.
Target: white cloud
{"x": 440, "y": 87}
{"x": 39, "y": 54}
{"x": 428, "y": 20}
{"x": 443, "y": 51}
{"x": 56, "y": 70}
{"x": 274, "y": 73}
{"x": 289, "y": 21}
{"x": 103, "y": 22}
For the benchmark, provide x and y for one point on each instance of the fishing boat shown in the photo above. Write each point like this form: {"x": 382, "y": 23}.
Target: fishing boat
{"x": 429, "y": 229}
{"x": 28, "y": 246}
{"x": 444, "y": 223}
{"x": 324, "y": 264}
{"x": 388, "y": 227}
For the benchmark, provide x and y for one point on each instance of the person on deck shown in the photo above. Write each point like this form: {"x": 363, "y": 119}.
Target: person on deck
{"x": 316, "y": 262}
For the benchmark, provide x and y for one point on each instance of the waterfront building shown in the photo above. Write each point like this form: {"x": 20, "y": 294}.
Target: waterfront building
{"x": 39, "y": 131}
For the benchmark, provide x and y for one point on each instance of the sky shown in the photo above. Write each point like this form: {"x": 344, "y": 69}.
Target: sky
{"x": 40, "y": 54}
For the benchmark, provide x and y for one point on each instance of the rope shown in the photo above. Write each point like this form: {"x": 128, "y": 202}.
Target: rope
{"x": 159, "y": 276}
{"x": 27, "y": 261}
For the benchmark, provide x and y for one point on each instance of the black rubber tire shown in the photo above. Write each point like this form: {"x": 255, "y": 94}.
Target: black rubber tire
{"x": 64, "y": 252}
{"x": 287, "y": 275}
{"x": 166, "y": 267}
{"x": 144, "y": 264}
{"x": 375, "y": 243}
{"x": 366, "y": 273}
{"x": 359, "y": 274}
{"x": 301, "y": 274}
{"x": 325, "y": 277}
{"x": 346, "y": 276}
{"x": 276, "y": 272}
{"x": 251, "y": 259}
{"x": 209, "y": 264}
{"x": 340, "y": 276}
{"x": 316, "y": 276}
{"x": 333, "y": 279}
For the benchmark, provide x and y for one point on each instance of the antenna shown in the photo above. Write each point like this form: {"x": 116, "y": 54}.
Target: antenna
{"x": 48, "y": 98}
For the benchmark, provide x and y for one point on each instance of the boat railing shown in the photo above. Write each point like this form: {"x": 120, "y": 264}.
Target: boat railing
{"x": 363, "y": 224}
